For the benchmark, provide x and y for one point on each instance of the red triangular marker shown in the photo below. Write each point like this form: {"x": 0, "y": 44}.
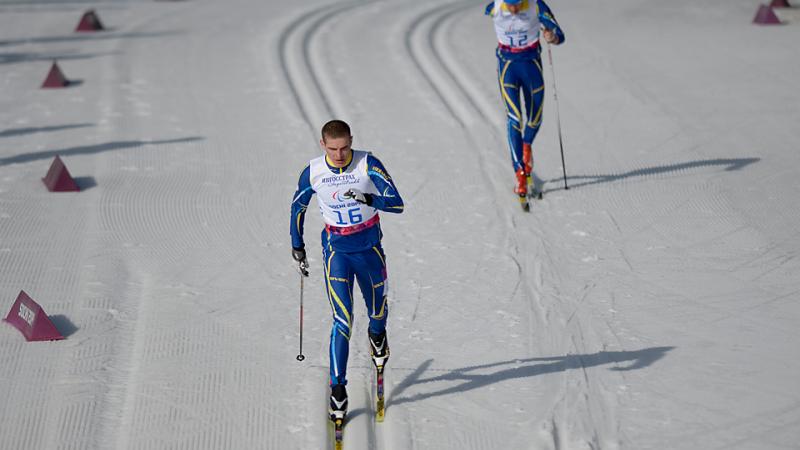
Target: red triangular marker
{"x": 766, "y": 16}
{"x": 89, "y": 22}
{"x": 780, "y": 4}
{"x": 58, "y": 178}
{"x": 55, "y": 78}
{"x": 30, "y": 319}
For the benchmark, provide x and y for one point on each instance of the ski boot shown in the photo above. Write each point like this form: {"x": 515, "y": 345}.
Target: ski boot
{"x": 379, "y": 349}
{"x": 527, "y": 160}
{"x": 521, "y": 189}
{"x": 338, "y": 404}
{"x": 338, "y": 410}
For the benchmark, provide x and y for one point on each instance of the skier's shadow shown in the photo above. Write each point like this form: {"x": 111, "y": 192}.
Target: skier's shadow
{"x": 575, "y": 181}
{"x": 475, "y": 377}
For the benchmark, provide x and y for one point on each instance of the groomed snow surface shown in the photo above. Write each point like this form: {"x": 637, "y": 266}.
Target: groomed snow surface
{"x": 653, "y": 305}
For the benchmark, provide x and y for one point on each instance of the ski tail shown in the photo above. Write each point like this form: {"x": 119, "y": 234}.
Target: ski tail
{"x": 523, "y": 202}
{"x": 380, "y": 410}
{"x": 337, "y": 426}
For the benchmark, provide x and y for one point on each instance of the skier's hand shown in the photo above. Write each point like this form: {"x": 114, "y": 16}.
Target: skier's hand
{"x": 358, "y": 196}
{"x": 299, "y": 255}
{"x": 550, "y": 36}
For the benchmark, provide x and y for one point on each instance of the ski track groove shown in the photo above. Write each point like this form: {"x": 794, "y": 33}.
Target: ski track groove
{"x": 449, "y": 97}
{"x": 304, "y": 85}
{"x": 417, "y": 57}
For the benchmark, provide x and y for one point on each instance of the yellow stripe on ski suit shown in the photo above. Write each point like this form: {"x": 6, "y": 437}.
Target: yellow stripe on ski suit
{"x": 534, "y": 120}
{"x": 383, "y": 263}
{"x": 510, "y": 107}
{"x": 380, "y": 314}
{"x": 332, "y": 296}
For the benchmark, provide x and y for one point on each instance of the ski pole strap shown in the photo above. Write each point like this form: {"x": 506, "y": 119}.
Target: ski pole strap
{"x": 344, "y": 231}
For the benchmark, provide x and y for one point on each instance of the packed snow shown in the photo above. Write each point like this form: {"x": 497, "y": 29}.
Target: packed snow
{"x": 652, "y": 305}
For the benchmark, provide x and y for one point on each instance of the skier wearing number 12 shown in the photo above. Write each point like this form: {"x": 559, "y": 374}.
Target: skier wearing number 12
{"x": 351, "y": 186}
{"x": 517, "y": 24}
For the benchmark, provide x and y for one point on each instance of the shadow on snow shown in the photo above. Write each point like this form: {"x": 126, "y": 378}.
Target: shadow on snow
{"x": 476, "y": 377}
{"x": 587, "y": 180}
{"x": 11, "y": 132}
{"x": 88, "y": 149}
{"x": 20, "y": 57}
{"x": 78, "y": 37}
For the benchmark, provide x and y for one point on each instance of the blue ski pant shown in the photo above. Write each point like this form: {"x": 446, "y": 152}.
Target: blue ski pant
{"x": 369, "y": 269}
{"x": 521, "y": 73}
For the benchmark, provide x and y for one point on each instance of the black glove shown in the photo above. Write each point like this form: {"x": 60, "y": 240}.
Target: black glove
{"x": 299, "y": 255}
{"x": 360, "y": 197}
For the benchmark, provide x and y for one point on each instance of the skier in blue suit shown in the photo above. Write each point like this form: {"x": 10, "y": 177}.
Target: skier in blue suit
{"x": 351, "y": 187}
{"x": 518, "y": 25}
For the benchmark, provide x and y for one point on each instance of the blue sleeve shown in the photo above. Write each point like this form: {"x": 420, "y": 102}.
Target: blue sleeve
{"x": 547, "y": 19}
{"x": 299, "y": 205}
{"x": 389, "y": 199}
{"x": 489, "y": 9}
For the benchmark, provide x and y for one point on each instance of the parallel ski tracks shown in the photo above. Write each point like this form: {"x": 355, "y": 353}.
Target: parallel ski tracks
{"x": 303, "y": 84}
{"x": 422, "y": 42}
{"x": 314, "y": 96}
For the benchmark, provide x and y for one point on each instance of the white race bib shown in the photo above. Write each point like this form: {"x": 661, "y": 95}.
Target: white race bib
{"x": 330, "y": 187}
{"x": 516, "y": 30}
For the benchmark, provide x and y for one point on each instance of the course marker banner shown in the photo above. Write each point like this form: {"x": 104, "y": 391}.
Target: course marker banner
{"x": 30, "y": 319}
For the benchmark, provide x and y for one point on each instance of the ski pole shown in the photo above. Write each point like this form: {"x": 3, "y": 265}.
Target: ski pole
{"x": 303, "y": 274}
{"x": 558, "y": 114}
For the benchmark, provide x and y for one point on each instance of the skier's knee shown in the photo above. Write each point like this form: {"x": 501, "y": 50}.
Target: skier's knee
{"x": 341, "y": 329}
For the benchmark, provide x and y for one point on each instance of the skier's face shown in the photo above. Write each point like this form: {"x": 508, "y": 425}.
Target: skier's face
{"x": 514, "y": 9}
{"x": 338, "y": 150}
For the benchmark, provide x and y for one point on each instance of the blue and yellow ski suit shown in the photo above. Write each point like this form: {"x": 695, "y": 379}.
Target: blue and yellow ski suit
{"x": 351, "y": 253}
{"x": 519, "y": 69}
